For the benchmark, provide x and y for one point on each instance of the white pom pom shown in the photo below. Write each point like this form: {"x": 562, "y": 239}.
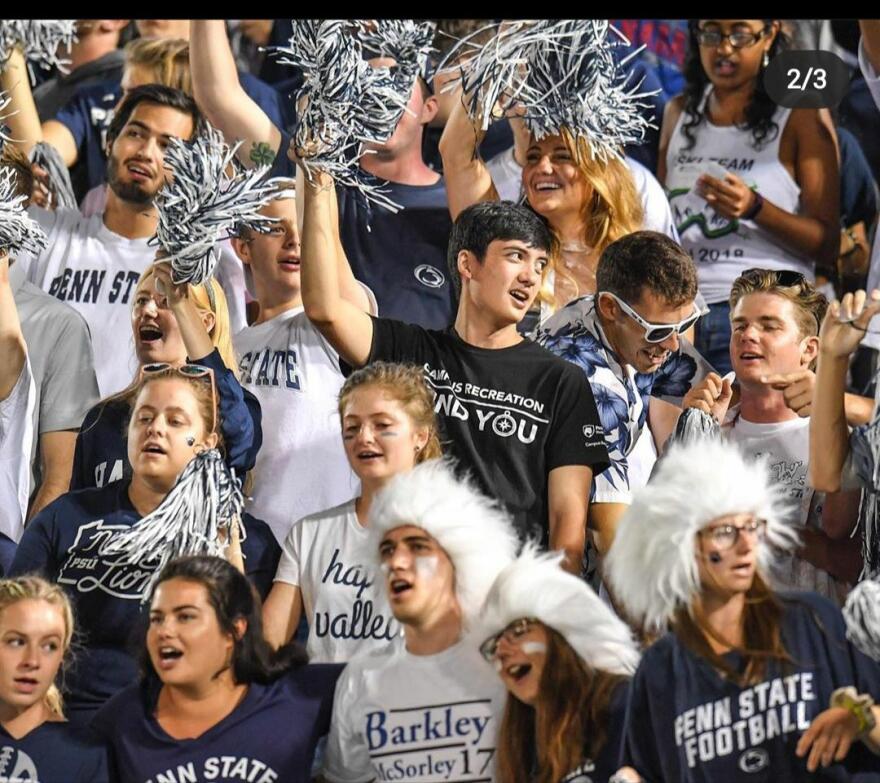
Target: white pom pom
{"x": 563, "y": 73}
{"x": 18, "y": 232}
{"x": 204, "y": 201}
{"x": 862, "y": 615}
{"x": 344, "y": 103}
{"x": 205, "y": 499}
{"x": 40, "y": 41}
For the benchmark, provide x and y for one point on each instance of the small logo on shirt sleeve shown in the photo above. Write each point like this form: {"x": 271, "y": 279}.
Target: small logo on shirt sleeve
{"x": 594, "y": 434}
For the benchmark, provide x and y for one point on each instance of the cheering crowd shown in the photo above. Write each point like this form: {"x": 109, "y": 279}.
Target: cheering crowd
{"x": 412, "y": 401}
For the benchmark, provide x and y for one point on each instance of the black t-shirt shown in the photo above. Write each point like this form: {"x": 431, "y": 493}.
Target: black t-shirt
{"x": 401, "y": 256}
{"x": 509, "y": 415}
{"x": 687, "y": 723}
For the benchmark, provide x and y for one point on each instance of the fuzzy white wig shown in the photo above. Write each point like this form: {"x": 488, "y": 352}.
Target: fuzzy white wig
{"x": 652, "y": 567}
{"x": 535, "y": 585}
{"x": 474, "y": 532}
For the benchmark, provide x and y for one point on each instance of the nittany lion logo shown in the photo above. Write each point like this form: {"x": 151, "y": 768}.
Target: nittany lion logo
{"x": 16, "y": 766}
{"x": 754, "y": 760}
{"x": 429, "y": 276}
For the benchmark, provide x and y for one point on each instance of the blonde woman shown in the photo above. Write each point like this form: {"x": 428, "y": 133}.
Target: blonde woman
{"x": 172, "y": 325}
{"x": 36, "y": 743}
{"x": 388, "y": 427}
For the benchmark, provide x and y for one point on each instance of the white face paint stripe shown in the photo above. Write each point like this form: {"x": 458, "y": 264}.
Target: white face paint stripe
{"x": 426, "y": 566}
{"x": 533, "y": 648}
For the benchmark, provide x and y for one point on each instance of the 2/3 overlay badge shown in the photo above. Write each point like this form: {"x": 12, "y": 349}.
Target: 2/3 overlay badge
{"x": 806, "y": 79}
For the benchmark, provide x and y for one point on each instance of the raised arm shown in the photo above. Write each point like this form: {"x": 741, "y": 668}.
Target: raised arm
{"x": 467, "y": 178}
{"x": 348, "y": 328}
{"x": 829, "y": 435}
{"x": 13, "y": 350}
{"x": 24, "y": 122}
{"x": 220, "y": 96}
{"x": 349, "y": 288}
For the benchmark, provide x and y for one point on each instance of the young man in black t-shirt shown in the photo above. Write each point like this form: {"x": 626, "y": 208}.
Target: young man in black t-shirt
{"x": 520, "y": 419}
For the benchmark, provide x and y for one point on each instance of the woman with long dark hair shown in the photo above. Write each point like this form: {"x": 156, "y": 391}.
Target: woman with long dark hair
{"x": 751, "y": 184}
{"x": 748, "y": 680}
{"x": 566, "y": 660}
{"x": 215, "y": 701}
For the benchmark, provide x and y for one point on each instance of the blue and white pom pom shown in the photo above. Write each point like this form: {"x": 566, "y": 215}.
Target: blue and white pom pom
{"x": 18, "y": 231}
{"x": 344, "y": 103}
{"x": 205, "y": 500}
{"x": 40, "y": 41}
{"x": 862, "y": 615}
{"x": 209, "y": 196}
{"x": 565, "y": 76}
{"x": 406, "y": 41}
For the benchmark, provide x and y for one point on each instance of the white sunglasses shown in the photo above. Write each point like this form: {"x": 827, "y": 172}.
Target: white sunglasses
{"x": 657, "y": 333}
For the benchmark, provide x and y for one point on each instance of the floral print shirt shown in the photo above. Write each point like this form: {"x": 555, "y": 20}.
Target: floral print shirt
{"x": 621, "y": 393}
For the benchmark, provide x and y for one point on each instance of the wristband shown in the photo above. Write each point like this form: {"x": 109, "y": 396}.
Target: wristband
{"x": 859, "y": 704}
{"x": 753, "y": 211}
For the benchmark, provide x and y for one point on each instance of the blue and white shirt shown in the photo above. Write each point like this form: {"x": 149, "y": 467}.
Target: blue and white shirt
{"x": 53, "y": 752}
{"x": 621, "y": 393}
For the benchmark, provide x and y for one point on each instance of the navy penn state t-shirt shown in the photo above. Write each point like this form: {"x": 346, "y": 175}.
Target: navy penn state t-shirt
{"x": 54, "y": 752}
{"x": 400, "y": 256}
{"x": 686, "y": 723}
{"x": 100, "y": 455}
{"x": 270, "y": 737}
{"x": 66, "y": 541}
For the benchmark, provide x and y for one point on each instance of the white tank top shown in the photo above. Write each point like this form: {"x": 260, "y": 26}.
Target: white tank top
{"x": 722, "y": 249}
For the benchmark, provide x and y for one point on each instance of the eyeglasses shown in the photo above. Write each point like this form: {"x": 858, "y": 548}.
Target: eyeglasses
{"x": 187, "y": 371}
{"x": 512, "y": 633}
{"x": 739, "y": 39}
{"x": 724, "y": 537}
{"x": 657, "y": 333}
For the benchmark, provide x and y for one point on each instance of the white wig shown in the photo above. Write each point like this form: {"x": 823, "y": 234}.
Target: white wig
{"x": 652, "y": 566}
{"x": 535, "y": 585}
{"x": 475, "y": 533}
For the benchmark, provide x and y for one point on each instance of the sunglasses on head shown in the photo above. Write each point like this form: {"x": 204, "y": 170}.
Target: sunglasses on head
{"x": 657, "y": 333}
{"x": 187, "y": 371}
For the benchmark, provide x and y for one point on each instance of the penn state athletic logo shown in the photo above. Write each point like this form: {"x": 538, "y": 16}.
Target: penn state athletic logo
{"x": 16, "y": 766}
{"x": 429, "y": 276}
{"x": 593, "y": 433}
{"x": 754, "y": 760}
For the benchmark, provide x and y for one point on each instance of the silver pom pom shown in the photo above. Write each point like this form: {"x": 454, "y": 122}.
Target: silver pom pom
{"x": 18, "y": 232}
{"x": 862, "y": 615}
{"x": 344, "y": 102}
{"x": 5, "y": 100}
{"x": 563, "y": 73}
{"x": 408, "y": 42}
{"x": 205, "y": 500}
{"x": 40, "y": 41}
{"x": 204, "y": 200}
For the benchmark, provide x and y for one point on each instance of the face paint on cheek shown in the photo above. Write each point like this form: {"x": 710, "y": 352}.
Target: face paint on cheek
{"x": 533, "y": 648}
{"x": 389, "y": 434}
{"x": 384, "y": 568}
{"x": 426, "y": 566}
{"x": 498, "y": 665}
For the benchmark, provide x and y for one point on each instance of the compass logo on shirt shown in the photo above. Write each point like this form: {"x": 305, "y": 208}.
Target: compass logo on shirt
{"x": 754, "y": 760}
{"x": 504, "y": 425}
{"x": 16, "y": 766}
{"x": 429, "y": 276}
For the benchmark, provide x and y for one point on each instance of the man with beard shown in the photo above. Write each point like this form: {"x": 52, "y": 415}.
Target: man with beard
{"x": 94, "y": 263}
{"x": 626, "y": 339}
